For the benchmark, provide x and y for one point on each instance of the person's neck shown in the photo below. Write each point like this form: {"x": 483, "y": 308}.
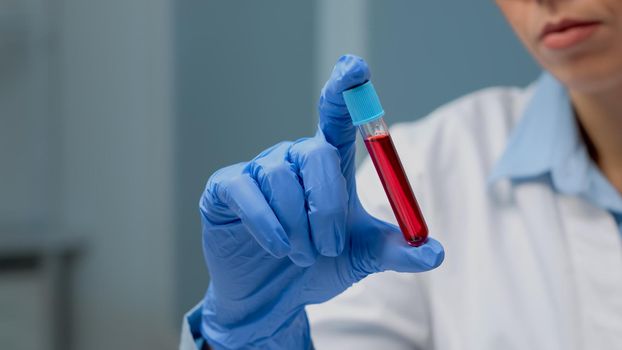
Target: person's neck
{"x": 600, "y": 116}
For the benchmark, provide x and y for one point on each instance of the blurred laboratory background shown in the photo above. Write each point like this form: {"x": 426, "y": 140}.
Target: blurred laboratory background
{"x": 114, "y": 113}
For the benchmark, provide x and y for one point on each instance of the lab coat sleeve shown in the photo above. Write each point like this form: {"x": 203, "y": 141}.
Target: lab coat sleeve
{"x": 385, "y": 310}
{"x": 191, "y": 338}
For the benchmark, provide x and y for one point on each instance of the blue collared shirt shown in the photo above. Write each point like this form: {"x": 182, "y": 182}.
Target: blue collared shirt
{"x": 547, "y": 145}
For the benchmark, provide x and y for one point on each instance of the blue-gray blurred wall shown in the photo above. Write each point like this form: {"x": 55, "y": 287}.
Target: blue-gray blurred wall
{"x": 244, "y": 82}
{"x": 86, "y": 159}
{"x": 426, "y": 53}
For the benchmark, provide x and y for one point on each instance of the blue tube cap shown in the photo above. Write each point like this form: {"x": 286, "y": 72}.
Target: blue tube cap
{"x": 363, "y": 104}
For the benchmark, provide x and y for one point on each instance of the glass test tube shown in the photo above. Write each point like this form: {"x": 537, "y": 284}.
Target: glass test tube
{"x": 366, "y": 112}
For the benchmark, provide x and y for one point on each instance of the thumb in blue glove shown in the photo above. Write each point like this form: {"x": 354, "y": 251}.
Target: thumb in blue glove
{"x": 287, "y": 229}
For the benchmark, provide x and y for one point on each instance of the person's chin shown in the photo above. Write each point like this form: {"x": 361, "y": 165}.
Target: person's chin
{"x": 589, "y": 73}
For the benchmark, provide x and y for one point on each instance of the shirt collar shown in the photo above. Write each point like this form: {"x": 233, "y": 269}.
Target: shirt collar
{"x": 546, "y": 141}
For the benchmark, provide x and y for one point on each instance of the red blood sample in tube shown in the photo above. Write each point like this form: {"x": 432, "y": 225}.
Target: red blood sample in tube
{"x": 398, "y": 190}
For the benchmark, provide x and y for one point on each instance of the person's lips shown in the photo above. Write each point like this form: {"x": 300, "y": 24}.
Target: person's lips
{"x": 567, "y": 33}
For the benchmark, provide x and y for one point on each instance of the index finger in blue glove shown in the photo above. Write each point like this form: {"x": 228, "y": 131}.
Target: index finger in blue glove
{"x": 243, "y": 197}
{"x": 284, "y": 193}
{"x": 335, "y": 122}
{"x": 319, "y": 168}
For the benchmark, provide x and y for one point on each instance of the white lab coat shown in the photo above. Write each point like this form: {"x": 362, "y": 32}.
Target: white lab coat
{"x": 525, "y": 267}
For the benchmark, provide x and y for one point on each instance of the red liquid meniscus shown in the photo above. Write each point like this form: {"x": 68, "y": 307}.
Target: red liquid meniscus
{"x": 397, "y": 188}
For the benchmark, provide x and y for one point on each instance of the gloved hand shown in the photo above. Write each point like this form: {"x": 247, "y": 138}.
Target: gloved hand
{"x": 287, "y": 229}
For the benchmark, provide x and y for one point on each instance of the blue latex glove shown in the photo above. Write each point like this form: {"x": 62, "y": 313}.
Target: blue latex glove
{"x": 287, "y": 229}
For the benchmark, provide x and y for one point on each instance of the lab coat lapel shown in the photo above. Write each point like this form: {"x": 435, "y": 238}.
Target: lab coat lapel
{"x": 544, "y": 225}
{"x": 596, "y": 246}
